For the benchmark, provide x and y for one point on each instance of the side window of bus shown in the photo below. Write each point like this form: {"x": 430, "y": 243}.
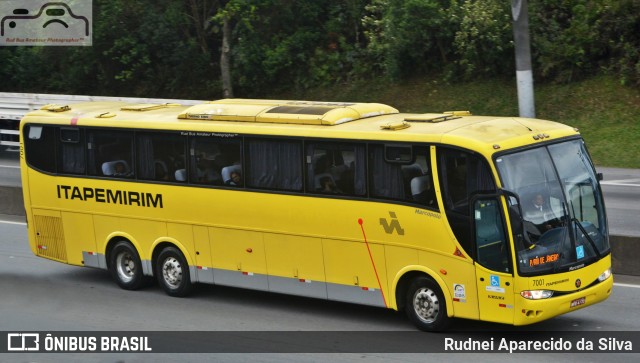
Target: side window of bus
{"x": 161, "y": 156}
{"x": 40, "y": 143}
{"x": 216, "y": 161}
{"x": 336, "y": 168}
{"x": 110, "y": 153}
{"x": 492, "y": 249}
{"x": 72, "y": 151}
{"x": 461, "y": 175}
{"x": 402, "y": 173}
{"x": 418, "y": 179}
{"x": 274, "y": 164}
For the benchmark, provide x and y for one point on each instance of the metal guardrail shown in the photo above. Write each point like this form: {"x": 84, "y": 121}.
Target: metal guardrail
{"x": 14, "y": 106}
{"x": 7, "y": 142}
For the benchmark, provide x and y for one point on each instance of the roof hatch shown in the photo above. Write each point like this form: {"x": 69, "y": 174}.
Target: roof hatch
{"x": 437, "y": 117}
{"x": 285, "y": 112}
{"x": 55, "y": 108}
{"x": 395, "y": 125}
{"x": 148, "y": 106}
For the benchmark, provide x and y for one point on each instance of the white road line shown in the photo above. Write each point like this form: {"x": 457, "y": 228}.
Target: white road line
{"x": 626, "y": 285}
{"x": 10, "y": 222}
{"x": 10, "y": 166}
{"x": 636, "y": 180}
{"x": 620, "y": 184}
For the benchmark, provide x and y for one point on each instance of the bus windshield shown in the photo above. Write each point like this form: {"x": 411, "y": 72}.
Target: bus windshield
{"x": 558, "y": 217}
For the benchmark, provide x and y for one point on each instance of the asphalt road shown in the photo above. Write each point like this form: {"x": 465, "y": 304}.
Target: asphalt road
{"x": 41, "y": 295}
{"x": 10, "y": 168}
{"x": 622, "y": 198}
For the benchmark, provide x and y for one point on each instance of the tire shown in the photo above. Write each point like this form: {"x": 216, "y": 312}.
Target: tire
{"x": 426, "y": 306}
{"x": 125, "y": 266}
{"x": 172, "y": 272}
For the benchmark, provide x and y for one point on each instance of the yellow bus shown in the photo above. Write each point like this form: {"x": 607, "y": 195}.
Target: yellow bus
{"x": 443, "y": 215}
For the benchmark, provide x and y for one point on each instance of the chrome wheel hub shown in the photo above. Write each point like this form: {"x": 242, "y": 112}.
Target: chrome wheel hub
{"x": 172, "y": 272}
{"x": 126, "y": 266}
{"x": 426, "y": 305}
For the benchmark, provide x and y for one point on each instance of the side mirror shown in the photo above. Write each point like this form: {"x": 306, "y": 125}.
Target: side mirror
{"x": 600, "y": 176}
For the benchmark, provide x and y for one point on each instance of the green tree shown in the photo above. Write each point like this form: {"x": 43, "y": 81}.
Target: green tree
{"x": 410, "y": 36}
{"x": 228, "y": 14}
{"x": 483, "y": 42}
{"x": 296, "y": 44}
{"x": 620, "y": 29}
{"x": 150, "y": 48}
{"x": 578, "y": 38}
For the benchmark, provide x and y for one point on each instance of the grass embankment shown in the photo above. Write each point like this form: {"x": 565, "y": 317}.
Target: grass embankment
{"x": 607, "y": 114}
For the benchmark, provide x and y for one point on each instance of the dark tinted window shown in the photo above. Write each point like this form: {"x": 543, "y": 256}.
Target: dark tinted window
{"x": 274, "y": 164}
{"x": 492, "y": 248}
{"x": 216, "y": 160}
{"x": 336, "y": 168}
{"x": 40, "y": 147}
{"x": 402, "y": 173}
{"x": 461, "y": 175}
{"x": 110, "y": 153}
{"x": 72, "y": 157}
{"x": 161, "y": 156}
{"x": 396, "y": 153}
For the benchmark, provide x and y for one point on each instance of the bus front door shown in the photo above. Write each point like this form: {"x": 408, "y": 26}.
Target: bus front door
{"x": 492, "y": 259}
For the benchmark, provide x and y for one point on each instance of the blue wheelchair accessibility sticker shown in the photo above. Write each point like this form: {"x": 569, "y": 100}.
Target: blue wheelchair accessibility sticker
{"x": 495, "y": 280}
{"x": 580, "y": 252}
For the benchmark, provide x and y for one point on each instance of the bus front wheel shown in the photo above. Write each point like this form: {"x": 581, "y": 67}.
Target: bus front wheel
{"x": 172, "y": 272}
{"x": 125, "y": 266}
{"x": 426, "y": 306}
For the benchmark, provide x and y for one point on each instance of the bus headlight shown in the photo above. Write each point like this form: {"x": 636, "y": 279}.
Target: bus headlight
{"x": 605, "y": 275}
{"x": 536, "y": 294}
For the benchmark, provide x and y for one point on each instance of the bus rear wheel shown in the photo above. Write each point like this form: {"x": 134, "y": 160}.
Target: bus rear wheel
{"x": 172, "y": 272}
{"x": 125, "y": 266}
{"x": 426, "y": 306}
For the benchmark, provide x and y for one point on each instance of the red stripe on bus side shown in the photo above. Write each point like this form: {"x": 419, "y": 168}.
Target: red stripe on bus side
{"x": 361, "y": 222}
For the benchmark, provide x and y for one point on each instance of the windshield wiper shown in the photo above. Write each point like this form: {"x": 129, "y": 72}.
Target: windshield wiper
{"x": 515, "y": 211}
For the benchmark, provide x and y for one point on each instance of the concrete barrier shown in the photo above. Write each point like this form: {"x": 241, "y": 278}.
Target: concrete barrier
{"x": 625, "y": 250}
{"x": 11, "y": 201}
{"x": 625, "y": 254}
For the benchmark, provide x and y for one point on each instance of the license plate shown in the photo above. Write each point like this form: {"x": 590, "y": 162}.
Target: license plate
{"x": 578, "y": 302}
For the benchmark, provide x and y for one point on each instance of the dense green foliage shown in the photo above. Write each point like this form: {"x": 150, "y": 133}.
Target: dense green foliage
{"x": 171, "y": 48}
